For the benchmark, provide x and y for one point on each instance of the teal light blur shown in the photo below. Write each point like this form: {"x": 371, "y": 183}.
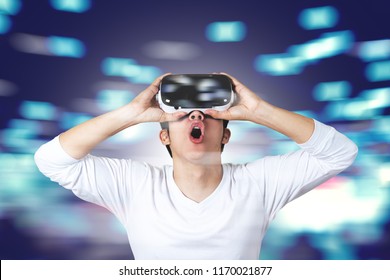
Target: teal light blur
{"x": 329, "y": 44}
{"x": 38, "y": 110}
{"x": 361, "y": 108}
{"x": 328, "y": 91}
{"x": 33, "y": 126}
{"x": 129, "y": 69}
{"x": 279, "y": 64}
{"x": 370, "y": 104}
{"x": 229, "y": 31}
{"x": 382, "y": 127}
{"x": 5, "y": 24}
{"x": 64, "y": 46}
{"x": 122, "y": 67}
{"x": 318, "y": 18}
{"x": 10, "y": 7}
{"x": 378, "y": 71}
{"x": 19, "y": 139}
{"x": 299, "y": 56}
{"x": 146, "y": 75}
{"x": 109, "y": 99}
{"x": 74, "y": 6}
{"x": 377, "y": 98}
{"x": 374, "y": 50}
{"x": 71, "y": 119}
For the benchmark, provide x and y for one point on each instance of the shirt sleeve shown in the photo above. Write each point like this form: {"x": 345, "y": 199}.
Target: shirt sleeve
{"x": 286, "y": 177}
{"x": 103, "y": 181}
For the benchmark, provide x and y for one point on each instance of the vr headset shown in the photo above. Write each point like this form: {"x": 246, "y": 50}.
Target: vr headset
{"x": 189, "y": 92}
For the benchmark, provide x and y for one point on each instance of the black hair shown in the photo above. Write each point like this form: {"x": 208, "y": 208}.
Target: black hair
{"x": 165, "y": 125}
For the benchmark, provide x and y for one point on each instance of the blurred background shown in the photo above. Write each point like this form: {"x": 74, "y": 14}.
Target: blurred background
{"x": 65, "y": 61}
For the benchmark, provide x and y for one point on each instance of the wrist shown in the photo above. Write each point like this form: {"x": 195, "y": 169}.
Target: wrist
{"x": 123, "y": 117}
{"x": 263, "y": 113}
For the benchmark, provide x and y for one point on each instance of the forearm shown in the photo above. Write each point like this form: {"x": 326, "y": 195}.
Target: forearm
{"x": 81, "y": 139}
{"x": 297, "y": 127}
{"x": 252, "y": 108}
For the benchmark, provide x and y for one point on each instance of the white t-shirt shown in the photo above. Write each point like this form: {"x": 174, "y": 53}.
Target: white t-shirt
{"x": 162, "y": 223}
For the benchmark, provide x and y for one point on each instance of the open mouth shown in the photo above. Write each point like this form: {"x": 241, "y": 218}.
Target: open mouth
{"x": 196, "y": 132}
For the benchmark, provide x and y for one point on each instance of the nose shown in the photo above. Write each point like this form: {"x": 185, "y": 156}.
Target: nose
{"x": 196, "y": 115}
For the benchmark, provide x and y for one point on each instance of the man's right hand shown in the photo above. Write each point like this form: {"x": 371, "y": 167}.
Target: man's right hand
{"x": 81, "y": 139}
{"x": 145, "y": 108}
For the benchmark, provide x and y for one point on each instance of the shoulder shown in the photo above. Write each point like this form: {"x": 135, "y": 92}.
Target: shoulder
{"x": 237, "y": 168}
{"x": 242, "y": 169}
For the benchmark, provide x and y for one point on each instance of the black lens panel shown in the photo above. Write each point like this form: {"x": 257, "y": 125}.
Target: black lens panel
{"x": 196, "y": 91}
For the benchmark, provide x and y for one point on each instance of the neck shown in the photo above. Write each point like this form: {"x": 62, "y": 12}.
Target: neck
{"x": 197, "y": 181}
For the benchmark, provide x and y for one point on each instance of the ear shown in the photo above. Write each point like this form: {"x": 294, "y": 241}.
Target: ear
{"x": 226, "y": 136}
{"x": 164, "y": 137}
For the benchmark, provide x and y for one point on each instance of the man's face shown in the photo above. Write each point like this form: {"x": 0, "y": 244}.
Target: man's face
{"x": 196, "y": 138}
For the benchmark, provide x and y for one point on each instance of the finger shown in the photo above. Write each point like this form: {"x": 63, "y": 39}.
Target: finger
{"x": 157, "y": 81}
{"x": 236, "y": 83}
{"x": 153, "y": 88}
{"x": 222, "y": 115}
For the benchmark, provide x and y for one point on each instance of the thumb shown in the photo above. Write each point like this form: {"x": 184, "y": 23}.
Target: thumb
{"x": 148, "y": 93}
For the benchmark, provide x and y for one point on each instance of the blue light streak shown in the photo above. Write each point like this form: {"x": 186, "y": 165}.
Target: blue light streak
{"x": 38, "y": 110}
{"x": 10, "y": 7}
{"x": 318, "y": 18}
{"x": 67, "y": 47}
{"x": 5, "y": 24}
{"x": 230, "y": 31}
{"x": 74, "y": 6}
{"x": 378, "y": 71}
{"x": 374, "y": 50}
{"x": 327, "y": 91}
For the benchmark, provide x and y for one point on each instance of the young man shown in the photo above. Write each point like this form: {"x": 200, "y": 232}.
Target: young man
{"x": 198, "y": 208}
